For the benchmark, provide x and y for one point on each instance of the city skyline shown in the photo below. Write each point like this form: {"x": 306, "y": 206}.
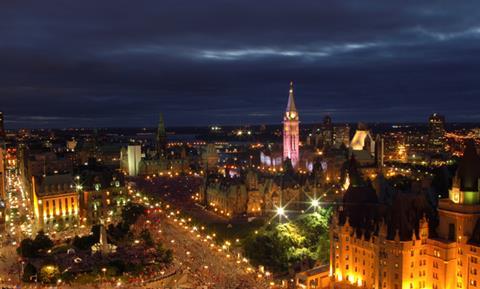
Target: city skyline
{"x": 105, "y": 65}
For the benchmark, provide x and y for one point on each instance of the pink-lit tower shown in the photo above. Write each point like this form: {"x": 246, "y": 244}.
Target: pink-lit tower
{"x": 291, "y": 130}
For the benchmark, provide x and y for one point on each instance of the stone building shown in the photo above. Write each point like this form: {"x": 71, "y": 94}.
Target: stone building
{"x": 162, "y": 160}
{"x": 406, "y": 243}
{"x": 256, "y": 193}
{"x": 55, "y": 201}
{"x": 102, "y": 192}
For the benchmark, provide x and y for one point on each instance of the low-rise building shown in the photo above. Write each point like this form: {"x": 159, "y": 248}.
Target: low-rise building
{"x": 315, "y": 278}
{"x": 55, "y": 201}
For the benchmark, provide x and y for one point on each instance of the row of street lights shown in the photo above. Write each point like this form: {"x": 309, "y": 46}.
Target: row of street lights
{"x": 282, "y": 213}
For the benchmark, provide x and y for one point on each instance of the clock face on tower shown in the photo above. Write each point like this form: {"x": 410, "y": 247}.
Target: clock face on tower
{"x": 291, "y": 115}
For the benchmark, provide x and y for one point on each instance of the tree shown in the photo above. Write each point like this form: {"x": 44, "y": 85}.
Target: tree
{"x": 42, "y": 241}
{"x": 95, "y": 230}
{"x": 29, "y": 272}
{"x": 31, "y": 248}
{"x": 118, "y": 232}
{"x": 27, "y": 248}
{"x": 147, "y": 237}
{"x": 84, "y": 243}
{"x": 279, "y": 246}
{"x": 118, "y": 265}
{"x": 131, "y": 212}
{"x": 49, "y": 274}
{"x": 164, "y": 255}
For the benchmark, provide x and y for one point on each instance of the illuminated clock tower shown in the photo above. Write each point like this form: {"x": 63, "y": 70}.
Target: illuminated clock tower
{"x": 291, "y": 130}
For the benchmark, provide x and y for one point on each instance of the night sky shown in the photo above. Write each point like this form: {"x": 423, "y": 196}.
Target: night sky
{"x": 120, "y": 63}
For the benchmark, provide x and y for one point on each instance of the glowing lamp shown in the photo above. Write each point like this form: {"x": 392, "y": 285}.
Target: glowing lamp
{"x": 280, "y": 211}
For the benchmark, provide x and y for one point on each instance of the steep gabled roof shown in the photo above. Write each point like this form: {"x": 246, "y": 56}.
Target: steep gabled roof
{"x": 468, "y": 171}
{"x": 291, "y": 99}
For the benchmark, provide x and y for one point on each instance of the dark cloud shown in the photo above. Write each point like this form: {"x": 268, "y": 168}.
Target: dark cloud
{"x": 120, "y": 63}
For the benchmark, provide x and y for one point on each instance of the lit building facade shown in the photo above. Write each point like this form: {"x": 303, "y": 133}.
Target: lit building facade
{"x": 3, "y": 196}
{"x": 362, "y": 146}
{"x": 2, "y": 127}
{"x": 255, "y": 193}
{"x": 341, "y": 135}
{"x": 436, "y": 133}
{"x": 2, "y": 171}
{"x": 102, "y": 193}
{"x": 327, "y": 132}
{"x": 291, "y": 133}
{"x": 55, "y": 201}
{"x": 130, "y": 158}
{"x": 371, "y": 249}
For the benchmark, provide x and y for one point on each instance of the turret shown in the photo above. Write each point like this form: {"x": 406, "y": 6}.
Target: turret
{"x": 161, "y": 137}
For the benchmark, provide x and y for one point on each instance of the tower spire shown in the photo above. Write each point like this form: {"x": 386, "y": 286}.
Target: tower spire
{"x": 291, "y": 131}
{"x": 291, "y": 99}
{"x": 161, "y": 137}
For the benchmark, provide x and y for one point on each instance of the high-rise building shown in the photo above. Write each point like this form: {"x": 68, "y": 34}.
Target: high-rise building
{"x": 341, "y": 135}
{"x": 161, "y": 137}
{"x": 2, "y": 173}
{"x": 291, "y": 130}
{"x": 436, "y": 133}
{"x": 134, "y": 155}
{"x": 2, "y": 127}
{"x": 327, "y": 132}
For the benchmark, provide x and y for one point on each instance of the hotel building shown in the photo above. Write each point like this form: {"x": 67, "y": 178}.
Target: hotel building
{"x": 400, "y": 246}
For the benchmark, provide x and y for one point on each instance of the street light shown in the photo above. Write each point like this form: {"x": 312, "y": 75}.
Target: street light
{"x": 315, "y": 203}
{"x": 280, "y": 212}
{"x": 104, "y": 270}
